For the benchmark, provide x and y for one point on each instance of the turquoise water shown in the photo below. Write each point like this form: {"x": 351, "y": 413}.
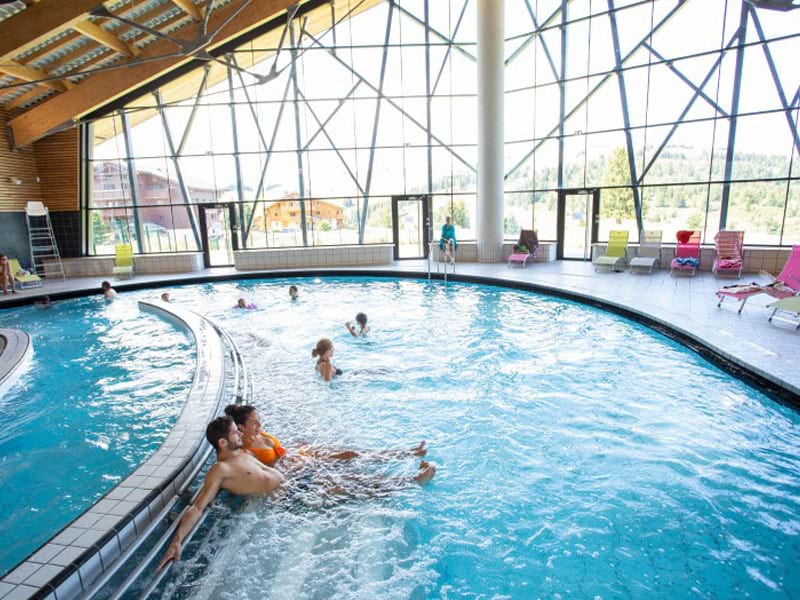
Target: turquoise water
{"x": 105, "y": 385}
{"x": 579, "y": 455}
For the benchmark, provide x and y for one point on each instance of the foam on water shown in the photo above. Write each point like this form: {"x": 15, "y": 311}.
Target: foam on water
{"x": 578, "y": 454}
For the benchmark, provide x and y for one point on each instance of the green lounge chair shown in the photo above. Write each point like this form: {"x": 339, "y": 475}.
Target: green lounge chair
{"x": 614, "y": 258}
{"x": 24, "y": 281}
{"x": 123, "y": 260}
{"x": 790, "y": 305}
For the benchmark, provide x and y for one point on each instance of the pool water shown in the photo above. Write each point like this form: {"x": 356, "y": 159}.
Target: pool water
{"x": 105, "y": 384}
{"x": 578, "y": 454}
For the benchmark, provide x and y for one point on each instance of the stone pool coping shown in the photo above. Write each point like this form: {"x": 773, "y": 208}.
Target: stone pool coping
{"x": 15, "y": 351}
{"x": 66, "y": 566}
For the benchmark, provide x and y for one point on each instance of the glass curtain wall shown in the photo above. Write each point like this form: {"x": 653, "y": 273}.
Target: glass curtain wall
{"x": 309, "y": 131}
{"x": 684, "y": 114}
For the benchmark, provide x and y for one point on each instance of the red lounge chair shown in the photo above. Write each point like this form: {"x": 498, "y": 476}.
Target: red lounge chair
{"x": 525, "y": 248}
{"x": 729, "y": 248}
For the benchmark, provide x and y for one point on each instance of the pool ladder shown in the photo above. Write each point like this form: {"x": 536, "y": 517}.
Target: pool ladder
{"x": 441, "y": 260}
{"x": 241, "y": 392}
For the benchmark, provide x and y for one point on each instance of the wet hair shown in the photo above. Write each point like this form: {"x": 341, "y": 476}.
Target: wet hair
{"x": 241, "y": 302}
{"x": 292, "y": 288}
{"x": 239, "y": 412}
{"x": 361, "y": 319}
{"x": 165, "y": 296}
{"x": 323, "y": 345}
{"x": 105, "y": 285}
{"x": 218, "y": 429}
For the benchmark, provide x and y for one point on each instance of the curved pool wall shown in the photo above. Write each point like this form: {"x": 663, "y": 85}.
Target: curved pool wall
{"x": 16, "y": 350}
{"x": 92, "y": 545}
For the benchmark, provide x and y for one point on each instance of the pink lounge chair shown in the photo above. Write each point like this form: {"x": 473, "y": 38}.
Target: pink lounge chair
{"x": 687, "y": 252}
{"x": 787, "y": 284}
{"x": 525, "y": 249}
{"x": 729, "y": 248}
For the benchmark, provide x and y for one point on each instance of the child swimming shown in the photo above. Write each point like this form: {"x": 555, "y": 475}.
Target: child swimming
{"x": 242, "y": 303}
{"x": 293, "y": 293}
{"x": 361, "y": 331}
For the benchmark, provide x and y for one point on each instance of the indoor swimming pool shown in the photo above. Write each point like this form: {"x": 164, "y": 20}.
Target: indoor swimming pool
{"x": 578, "y": 454}
{"x": 104, "y": 386}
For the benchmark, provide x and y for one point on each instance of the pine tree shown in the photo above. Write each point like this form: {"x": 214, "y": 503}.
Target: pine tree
{"x": 617, "y": 203}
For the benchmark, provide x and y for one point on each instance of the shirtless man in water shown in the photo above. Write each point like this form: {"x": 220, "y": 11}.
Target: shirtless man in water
{"x": 239, "y": 472}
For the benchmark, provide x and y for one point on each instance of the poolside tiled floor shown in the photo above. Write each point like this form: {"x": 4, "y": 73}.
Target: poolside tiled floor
{"x": 685, "y": 303}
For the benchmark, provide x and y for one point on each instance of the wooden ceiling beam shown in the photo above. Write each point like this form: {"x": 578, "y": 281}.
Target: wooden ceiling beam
{"x": 190, "y": 8}
{"x": 106, "y": 38}
{"x": 58, "y": 112}
{"x": 26, "y": 73}
{"x": 38, "y": 22}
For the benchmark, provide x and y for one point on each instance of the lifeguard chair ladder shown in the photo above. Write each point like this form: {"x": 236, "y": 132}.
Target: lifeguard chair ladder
{"x": 43, "y": 242}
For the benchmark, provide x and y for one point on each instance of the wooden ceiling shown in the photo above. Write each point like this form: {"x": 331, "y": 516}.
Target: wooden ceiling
{"x": 63, "y": 59}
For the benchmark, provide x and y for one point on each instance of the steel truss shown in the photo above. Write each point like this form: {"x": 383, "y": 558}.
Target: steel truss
{"x": 300, "y": 40}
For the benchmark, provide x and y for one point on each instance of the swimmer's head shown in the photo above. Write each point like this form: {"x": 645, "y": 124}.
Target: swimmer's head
{"x": 165, "y": 297}
{"x": 361, "y": 319}
{"x": 324, "y": 346}
{"x": 105, "y": 286}
{"x": 293, "y": 291}
{"x": 223, "y": 429}
{"x": 241, "y": 303}
{"x": 244, "y": 416}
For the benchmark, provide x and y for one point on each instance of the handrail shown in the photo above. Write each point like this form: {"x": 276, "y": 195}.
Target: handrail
{"x": 433, "y": 247}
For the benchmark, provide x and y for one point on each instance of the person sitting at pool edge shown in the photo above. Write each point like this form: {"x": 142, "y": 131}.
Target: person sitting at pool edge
{"x": 324, "y": 351}
{"x": 241, "y": 473}
{"x": 237, "y": 471}
{"x": 268, "y": 449}
{"x": 361, "y": 319}
{"x": 447, "y": 241}
{"x": 109, "y": 293}
{"x": 242, "y": 303}
{"x": 5, "y": 275}
{"x": 293, "y": 293}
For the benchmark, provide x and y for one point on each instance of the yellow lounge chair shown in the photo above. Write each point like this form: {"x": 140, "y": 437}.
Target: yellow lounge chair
{"x": 24, "y": 281}
{"x": 123, "y": 260}
{"x": 614, "y": 258}
{"x": 790, "y": 305}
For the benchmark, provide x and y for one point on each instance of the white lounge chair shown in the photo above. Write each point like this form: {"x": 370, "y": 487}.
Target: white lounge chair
{"x": 649, "y": 254}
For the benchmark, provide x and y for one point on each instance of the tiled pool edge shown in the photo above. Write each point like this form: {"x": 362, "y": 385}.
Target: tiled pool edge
{"x": 16, "y": 352}
{"x": 67, "y": 565}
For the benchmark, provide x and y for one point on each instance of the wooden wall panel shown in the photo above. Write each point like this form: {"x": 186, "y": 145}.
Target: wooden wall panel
{"x": 19, "y": 165}
{"x": 54, "y": 160}
{"x": 58, "y": 164}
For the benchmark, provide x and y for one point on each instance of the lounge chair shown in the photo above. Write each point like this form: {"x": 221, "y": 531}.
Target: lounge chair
{"x": 687, "y": 252}
{"x": 24, "y": 281}
{"x": 123, "y": 260}
{"x": 614, "y": 258}
{"x": 790, "y": 305}
{"x": 785, "y": 285}
{"x": 729, "y": 249}
{"x": 649, "y": 254}
{"x": 525, "y": 249}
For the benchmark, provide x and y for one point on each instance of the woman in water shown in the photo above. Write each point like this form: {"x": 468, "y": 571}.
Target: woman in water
{"x": 268, "y": 449}
{"x": 323, "y": 352}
